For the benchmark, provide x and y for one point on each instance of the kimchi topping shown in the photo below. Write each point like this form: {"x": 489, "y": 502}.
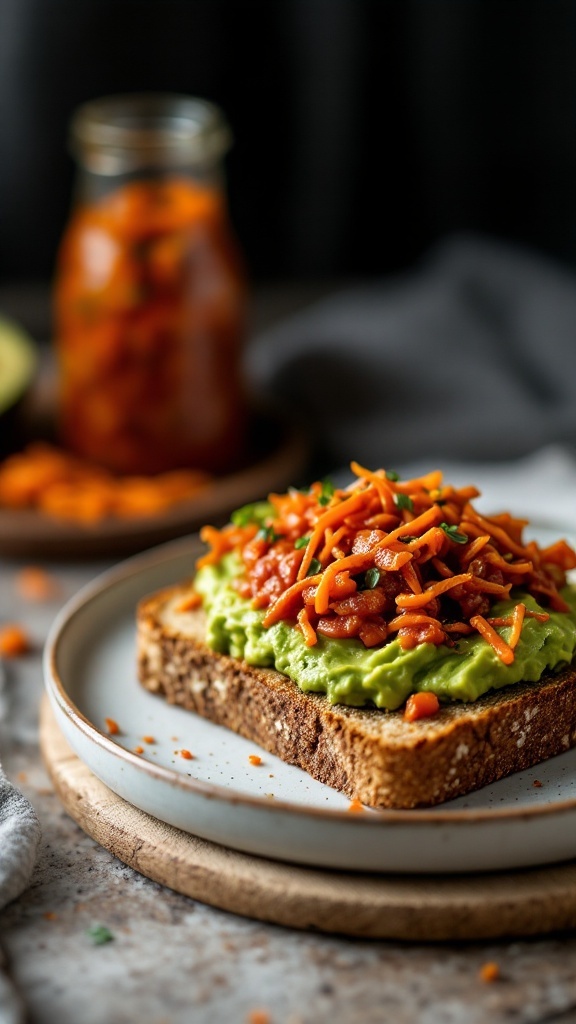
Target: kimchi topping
{"x": 386, "y": 558}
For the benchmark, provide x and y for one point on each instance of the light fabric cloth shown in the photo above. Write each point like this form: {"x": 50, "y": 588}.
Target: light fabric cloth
{"x": 471, "y": 356}
{"x": 19, "y": 838}
{"x": 19, "y": 841}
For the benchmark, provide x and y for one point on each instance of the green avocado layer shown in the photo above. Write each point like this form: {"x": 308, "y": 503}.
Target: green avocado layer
{"x": 349, "y": 673}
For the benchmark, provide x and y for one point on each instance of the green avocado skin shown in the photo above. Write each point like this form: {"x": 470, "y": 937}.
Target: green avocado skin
{"x": 349, "y": 673}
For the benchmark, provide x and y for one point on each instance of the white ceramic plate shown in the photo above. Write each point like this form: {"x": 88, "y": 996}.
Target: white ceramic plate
{"x": 273, "y": 809}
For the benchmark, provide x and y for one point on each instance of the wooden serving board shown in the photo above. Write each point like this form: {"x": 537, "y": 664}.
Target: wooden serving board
{"x": 416, "y": 908}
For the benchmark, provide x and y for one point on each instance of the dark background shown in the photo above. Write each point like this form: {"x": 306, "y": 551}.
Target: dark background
{"x": 365, "y": 129}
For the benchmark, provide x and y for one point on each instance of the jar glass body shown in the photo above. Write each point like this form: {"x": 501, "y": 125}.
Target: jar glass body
{"x": 150, "y": 292}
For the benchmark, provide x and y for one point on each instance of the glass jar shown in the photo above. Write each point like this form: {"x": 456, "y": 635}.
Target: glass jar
{"x": 150, "y": 292}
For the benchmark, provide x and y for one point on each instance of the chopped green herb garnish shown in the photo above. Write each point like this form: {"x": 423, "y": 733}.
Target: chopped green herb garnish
{"x": 392, "y": 475}
{"x": 301, "y": 542}
{"x": 404, "y": 501}
{"x": 257, "y": 512}
{"x": 453, "y": 533}
{"x": 100, "y": 934}
{"x": 314, "y": 567}
{"x": 407, "y": 538}
{"x": 371, "y": 578}
{"x": 268, "y": 534}
{"x": 326, "y": 493}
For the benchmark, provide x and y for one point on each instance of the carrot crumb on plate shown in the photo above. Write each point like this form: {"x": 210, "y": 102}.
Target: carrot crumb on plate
{"x": 148, "y": 739}
{"x": 112, "y": 727}
{"x": 13, "y": 640}
{"x": 190, "y": 603}
{"x": 355, "y": 806}
{"x": 490, "y": 971}
{"x": 254, "y": 759}
{"x": 537, "y": 783}
{"x": 421, "y": 705}
{"x": 259, "y": 1017}
{"x": 35, "y": 584}
{"x": 138, "y": 750}
{"x": 186, "y": 754}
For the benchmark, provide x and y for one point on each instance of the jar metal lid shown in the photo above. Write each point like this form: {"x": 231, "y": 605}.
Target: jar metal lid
{"x": 119, "y": 134}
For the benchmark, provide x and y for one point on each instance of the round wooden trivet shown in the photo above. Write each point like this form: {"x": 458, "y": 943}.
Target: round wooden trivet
{"x": 421, "y": 908}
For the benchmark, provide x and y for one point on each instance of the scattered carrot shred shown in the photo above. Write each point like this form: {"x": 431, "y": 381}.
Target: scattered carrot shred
{"x": 112, "y": 727}
{"x": 187, "y": 755}
{"x": 490, "y": 972}
{"x": 254, "y": 759}
{"x": 421, "y": 705}
{"x": 355, "y": 806}
{"x": 259, "y": 1017}
{"x": 138, "y": 750}
{"x": 386, "y": 560}
{"x": 35, "y": 584}
{"x": 13, "y": 640}
{"x": 537, "y": 784}
{"x": 148, "y": 739}
{"x": 192, "y": 601}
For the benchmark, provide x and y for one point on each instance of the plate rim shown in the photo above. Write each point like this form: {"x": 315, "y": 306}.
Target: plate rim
{"x": 153, "y": 558}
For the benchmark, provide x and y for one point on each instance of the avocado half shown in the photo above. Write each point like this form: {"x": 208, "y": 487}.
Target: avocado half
{"x": 18, "y": 361}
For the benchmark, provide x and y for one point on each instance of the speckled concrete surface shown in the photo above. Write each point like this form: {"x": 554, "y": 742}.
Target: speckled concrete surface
{"x": 174, "y": 961}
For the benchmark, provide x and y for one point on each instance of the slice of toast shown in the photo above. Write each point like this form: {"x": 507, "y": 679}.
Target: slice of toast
{"x": 372, "y": 756}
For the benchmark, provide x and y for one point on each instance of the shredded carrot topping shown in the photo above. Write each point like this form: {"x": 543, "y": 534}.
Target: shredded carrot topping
{"x": 385, "y": 558}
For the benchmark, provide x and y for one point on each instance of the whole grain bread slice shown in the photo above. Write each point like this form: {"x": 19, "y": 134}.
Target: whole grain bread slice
{"x": 372, "y": 756}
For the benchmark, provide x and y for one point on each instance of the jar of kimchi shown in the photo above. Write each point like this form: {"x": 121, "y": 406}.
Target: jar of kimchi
{"x": 150, "y": 290}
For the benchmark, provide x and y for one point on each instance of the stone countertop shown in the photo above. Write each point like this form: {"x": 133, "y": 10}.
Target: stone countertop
{"x": 174, "y": 960}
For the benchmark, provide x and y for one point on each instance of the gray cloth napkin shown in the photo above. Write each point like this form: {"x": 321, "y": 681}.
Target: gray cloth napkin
{"x": 470, "y": 356}
{"x": 19, "y": 838}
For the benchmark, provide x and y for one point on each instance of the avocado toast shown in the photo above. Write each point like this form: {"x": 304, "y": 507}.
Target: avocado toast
{"x": 385, "y": 637}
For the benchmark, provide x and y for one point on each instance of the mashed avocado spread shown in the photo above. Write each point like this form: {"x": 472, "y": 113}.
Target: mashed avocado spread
{"x": 349, "y": 673}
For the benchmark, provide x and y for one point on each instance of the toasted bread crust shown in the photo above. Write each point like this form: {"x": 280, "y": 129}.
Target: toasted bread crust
{"x": 372, "y": 756}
